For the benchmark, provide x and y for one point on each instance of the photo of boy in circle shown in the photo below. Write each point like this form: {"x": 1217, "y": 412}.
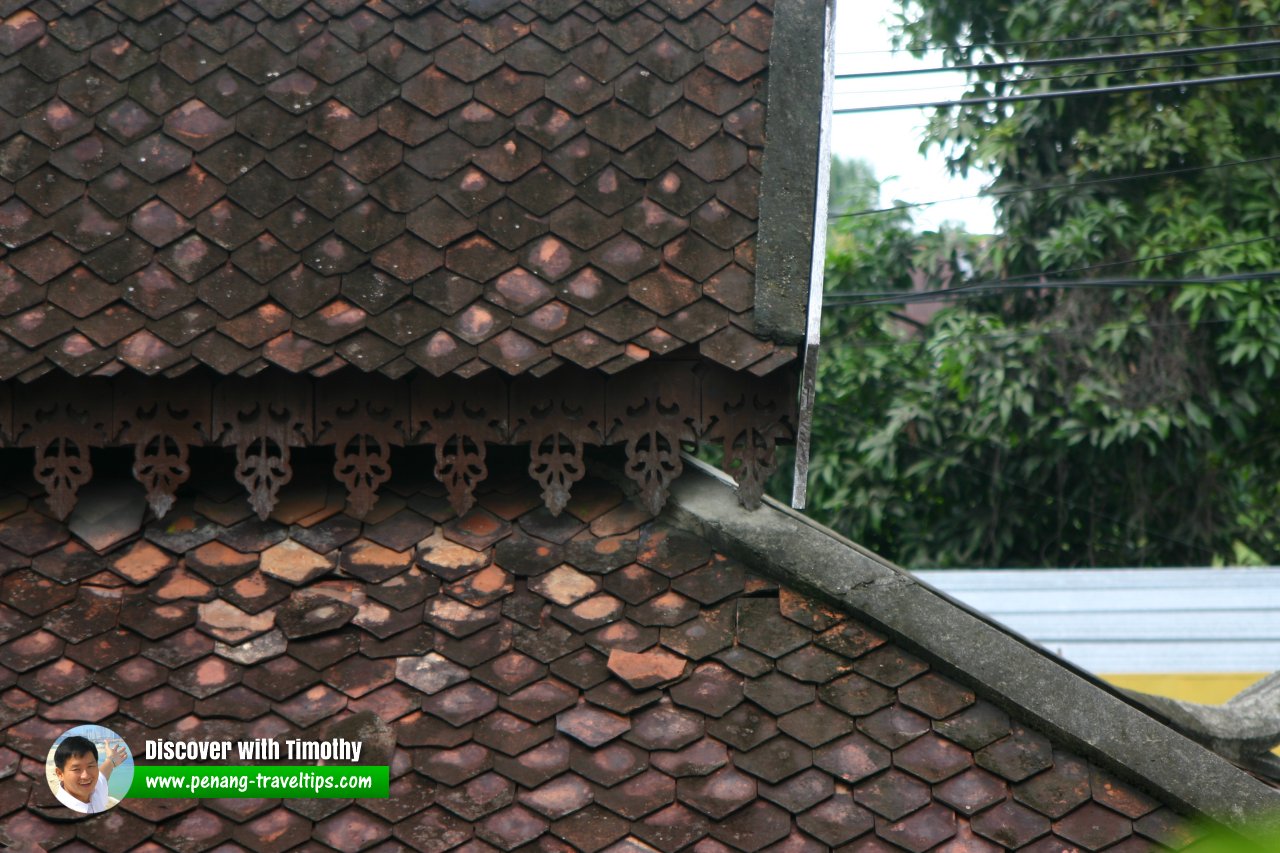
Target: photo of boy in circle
{"x": 82, "y": 778}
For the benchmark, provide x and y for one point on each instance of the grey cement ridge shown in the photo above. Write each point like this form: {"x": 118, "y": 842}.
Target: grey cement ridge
{"x": 789, "y": 182}
{"x": 1039, "y": 688}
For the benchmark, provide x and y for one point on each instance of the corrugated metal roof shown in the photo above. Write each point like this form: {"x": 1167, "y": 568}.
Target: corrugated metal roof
{"x": 1134, "y": 620}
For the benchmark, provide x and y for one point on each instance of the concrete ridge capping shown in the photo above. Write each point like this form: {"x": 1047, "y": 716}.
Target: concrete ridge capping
{"x": 1008, "y": 669}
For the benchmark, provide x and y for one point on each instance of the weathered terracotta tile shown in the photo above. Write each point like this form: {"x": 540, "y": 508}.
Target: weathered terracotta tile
{"x": 473, "y": 650}
{"x": 277, "y": 829}
{"x": 228, "y": 623}
{"x": 254, "y": 592}
{"x": 33, "y": 594}
{"x": 461, "y": 704}
{"x": 133, "y": 677}
{"x": 510, "y": 735}
{"x": 559, "y": 797}
{"x": 458, "y": 619}
{"x": 852, "y": 758}
{"x": 592, "y": 828}
{"x": 312, "y": 705}
{"x": 700, "y": 638}
{"x": 816, "y": 724}
{"x": 1116, "y": 795}
{"x": 372, "y": 562}
{"x": 206, "y": 677}
{"x": 510, "y": 672}
{"x": 1016, "y": 757}
{"x": 932, "y": 758}
{"x": 141, "y": 562}
{"x": 104, "y": 650}
{"x": 1057, "y": 790}
{"x": 237, "y": 703}
{"x": 1168, "y": 828}
{"x": 280, "y": 678}
{"x": 972, "y": 791}
{"x": 180, "y": 649}
{"x": 430, "y": 673}
{"x": 1013, "y": 825}
{"x": 483, "y": 587}
{"x": 799, "y": 792}
{"x": 449, "y": 559}
{"x": 836, "y": 820}
{"x": 307, "y": 614}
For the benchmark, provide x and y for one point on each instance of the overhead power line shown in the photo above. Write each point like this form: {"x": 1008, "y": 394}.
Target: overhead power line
{"x": 1068, "y": 60}
{"x": 1194, "y": 66}
{"x": 1035, "y": 279}
{"x": 894, "y": 298}
{"x": 1074, "y": 332}
{"x": 1065, "y": 93}
{"x": 1062, "y": 186}
{"x": 934, "y": 47}
{"x": 1181, "y": 253}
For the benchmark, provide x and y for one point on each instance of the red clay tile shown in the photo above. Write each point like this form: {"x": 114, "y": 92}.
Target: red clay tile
{"x": 836, "y": 820}
{"x": 893, "y": 794}
{"x": 816, "y": 724}
{"x": 433, "y": 830}
{"x": 560, "y": 797}
{"x": 697, "y": 759}
{"x": 590, "y": 829}
{"x": 922, "y": 830}
{"x": 1016, "y": 757}
{"x": 977, "y": 726}
{"x": 1164, "y": 827}
{"x": 430, "y": 673}
{"x": 591, "y": 725}
{"x": 1010, "y": 824}
{"x": 1058, "y": 790}
{"x": 972, "y": 791}
{"x": 639, "y": 795}
{"x": 478, "y": 797}
{"x": 777, "y": 693}
{"x": 1117, "y": 796}
{"x": 852, "y": 758}
{"x": 776, "y": 759}
{"x": 1092, "y": 826}
{"x": 646, "y": 669}
{"x": 932, "y": 758}
{"x": 455, "y": 766}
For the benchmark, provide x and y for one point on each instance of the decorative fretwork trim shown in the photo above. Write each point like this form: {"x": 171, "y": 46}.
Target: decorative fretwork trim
{"x": 652, "y": 410}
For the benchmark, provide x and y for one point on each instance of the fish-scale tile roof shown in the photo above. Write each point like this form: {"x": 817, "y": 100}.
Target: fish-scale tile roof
{"x": 597, "y": 681}
{"x": 445, "y": 185}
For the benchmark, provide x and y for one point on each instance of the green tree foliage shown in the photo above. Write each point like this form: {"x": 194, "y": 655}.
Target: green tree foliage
{"x": 1073, "y": 427}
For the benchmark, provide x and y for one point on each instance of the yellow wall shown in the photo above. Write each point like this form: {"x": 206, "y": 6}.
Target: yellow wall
{"x": 1205, "y": 688}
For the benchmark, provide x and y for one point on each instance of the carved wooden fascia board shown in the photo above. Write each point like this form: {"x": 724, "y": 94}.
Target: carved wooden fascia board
{"x": 558, "y": 416}
{"x": 262, "y": 418}
{"x": 460, "y": 417}
{"x": 363, "y": 417}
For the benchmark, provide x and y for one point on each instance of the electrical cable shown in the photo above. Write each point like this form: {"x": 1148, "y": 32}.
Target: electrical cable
{"x": 1078, "y": 332}
{"x": 933, "y": 47}
{"x": 1074, "y": 270}
{"x": 1064, "y": 93}
{"x": 1181, "y": 253}
{"x": 1195, "y": 66}
{"x": 899, "y": 297}
{"x": 1048, "y": 187}
{"x": 1066, "y": 60}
